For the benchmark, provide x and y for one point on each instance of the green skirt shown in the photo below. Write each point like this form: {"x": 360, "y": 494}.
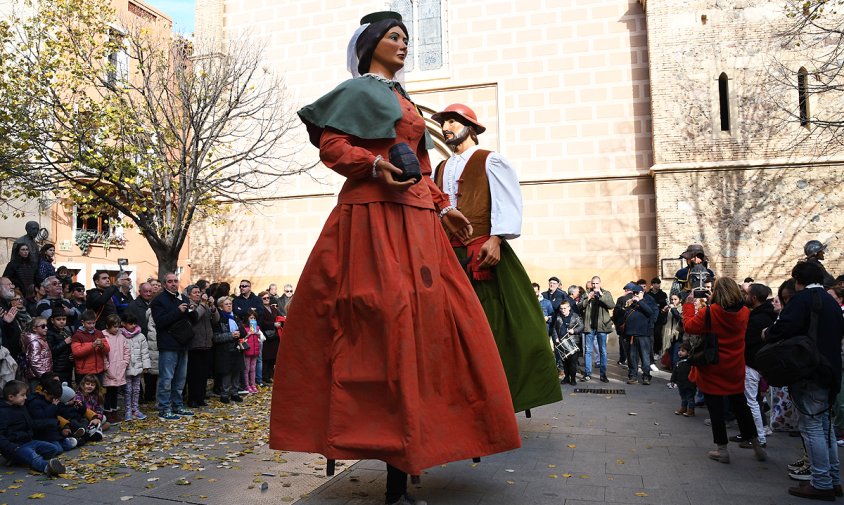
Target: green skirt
{"x": 520, "y": 333}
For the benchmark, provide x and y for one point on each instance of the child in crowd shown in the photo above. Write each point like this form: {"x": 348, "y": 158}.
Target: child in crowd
{"x": 139, "y": 363}
{"x": 250, "y": 355}
{"x": 115, "y": 372}
{"x": 39, "y": 358}
{"x": 59, "y": 337}
{"x": 680, "y": 377}
{"x": 16, "y": 433}
{"x": 89, "y": 347}
{"x": 89, "y": 397}
{"x": 43, "y": 407}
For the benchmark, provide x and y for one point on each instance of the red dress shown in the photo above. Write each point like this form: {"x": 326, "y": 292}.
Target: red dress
{"x": 386, "y": 352}
{"x": 727, "y": 376}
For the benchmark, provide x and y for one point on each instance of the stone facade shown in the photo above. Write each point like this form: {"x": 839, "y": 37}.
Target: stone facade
{"x": 562, "y": 87}
{"x": 755, "y": 193}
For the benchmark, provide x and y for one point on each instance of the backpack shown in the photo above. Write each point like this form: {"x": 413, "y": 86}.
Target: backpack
{"x": 794, "y": 358}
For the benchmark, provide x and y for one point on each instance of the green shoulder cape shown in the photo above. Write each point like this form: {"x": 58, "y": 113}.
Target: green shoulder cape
{"x": 363, "y": 107}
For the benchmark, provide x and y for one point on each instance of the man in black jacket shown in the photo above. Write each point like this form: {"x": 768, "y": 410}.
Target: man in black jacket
{"x": 556, "y": 296}
{"x": 813, "y": 396}
{"x": 637, "y": 330}
{"x": 172, "y": 316}
{"x": 99, "y": 298}
{"x": 762, "y": 315}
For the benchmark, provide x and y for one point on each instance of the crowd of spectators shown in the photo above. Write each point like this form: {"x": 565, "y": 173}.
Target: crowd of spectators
{"x": 707, "y": 331}
{"x": 74, "y": 362}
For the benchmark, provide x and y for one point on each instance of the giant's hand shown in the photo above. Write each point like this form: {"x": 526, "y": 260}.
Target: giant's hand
{"x": 490, "y": 253}
{"x": 388, "y": 169}
{"x": 457, "y": 224}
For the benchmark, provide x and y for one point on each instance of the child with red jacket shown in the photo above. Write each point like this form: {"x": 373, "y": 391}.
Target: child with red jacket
{"x": 89, "y": 347}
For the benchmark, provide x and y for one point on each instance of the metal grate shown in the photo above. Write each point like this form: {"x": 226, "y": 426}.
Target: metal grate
{"x": 600, "y": 391}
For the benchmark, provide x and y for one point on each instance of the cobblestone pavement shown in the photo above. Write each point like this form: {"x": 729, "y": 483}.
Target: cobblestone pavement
{"x": 621, "y": 446}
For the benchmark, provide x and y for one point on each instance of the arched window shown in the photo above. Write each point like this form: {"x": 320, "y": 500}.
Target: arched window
{"x": 803, "y": 95}
{"x": 424, "y": 21}
{"x": 724, "y": 101}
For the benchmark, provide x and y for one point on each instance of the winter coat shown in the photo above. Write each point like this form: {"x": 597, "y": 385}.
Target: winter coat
{"x": 87, "y": 358}
{"x": 152, "y": 344}
{"x": 62, "y": 355}
{"x": 563, "y": 325}
{"x": 118, "y": 360}
{"x": 21, "y": 272}
{"x": 43, "y": 412}
{"x": 761, "y": 317}
{"x": 266, "y": 320}
{"x": 138, "y": 308}
{"x": 45, "y": 269}
{"x": 203, "y": 331}
{"x": 254, "y": 341}
{"x": 138, "y": 352}
{"x": 8, "y": 367}
{"x": 166, "y": 314}
{"x": 39, "y": 358}
{"x": 284, "y": 304}
{"x": 603, "y": 304}
{"x": 680, "y": 375}
{"x": 241, "y": 304}
{"x": 91, "y": 403}
{"x": 227, "y": 358}
{"x": 637, "y": 319}
{"x": 17, "y": 427}
{"x": 794, "y": 320}
{"x": 99, "y": 300}
{"x": 729, "y": 326}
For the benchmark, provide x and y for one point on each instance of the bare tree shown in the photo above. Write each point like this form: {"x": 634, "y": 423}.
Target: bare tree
{"x": 130, "y": 119}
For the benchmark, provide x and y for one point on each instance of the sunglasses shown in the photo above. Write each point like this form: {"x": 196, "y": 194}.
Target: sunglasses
{"x": 40, "y": 326}
{"x": 245, "y": 286}
{"x": 265, "y": 298}
{"x": 288, "y": 290}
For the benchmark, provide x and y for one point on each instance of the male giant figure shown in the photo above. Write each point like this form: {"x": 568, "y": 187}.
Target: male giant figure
{"x": 484, "y": 187}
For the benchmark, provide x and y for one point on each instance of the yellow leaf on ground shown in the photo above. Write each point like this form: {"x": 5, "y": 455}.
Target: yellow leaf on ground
{"x": 571, "y": 446}
{"x": 511, "y": 482}
{"x": 584, "y": 476}
{"x": 552, "y": 466}
{"x": 641, "y": 493}
{"x": 553, "y": 476}
{"x": 36, "y": 496}
{"x": 619, "y": 461}
{"x": 567, "y": 475}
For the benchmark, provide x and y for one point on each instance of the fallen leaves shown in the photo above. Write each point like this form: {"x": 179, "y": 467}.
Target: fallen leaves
{"x": 641, "y": 494}
{"x": 37, "y": 496}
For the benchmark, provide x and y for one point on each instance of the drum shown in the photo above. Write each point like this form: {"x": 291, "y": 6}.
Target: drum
{"x": 567, "y": 346}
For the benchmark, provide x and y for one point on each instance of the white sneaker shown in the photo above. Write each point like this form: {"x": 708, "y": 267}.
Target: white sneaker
{"x": 654, "y": 368}
{"x": 769, "y": 432}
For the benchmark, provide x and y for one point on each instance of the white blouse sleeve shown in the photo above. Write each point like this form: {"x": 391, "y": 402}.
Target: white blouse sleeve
{"x": 506, "y": 196}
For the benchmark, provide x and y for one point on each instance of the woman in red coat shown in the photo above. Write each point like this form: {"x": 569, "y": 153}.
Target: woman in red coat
{"x": 724, "y": 381}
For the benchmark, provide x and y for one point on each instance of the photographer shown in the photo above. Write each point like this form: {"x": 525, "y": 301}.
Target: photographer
{"x": 199, "y": 348}
{"x": 172, "y": 322}
{"x": 637, "y": 331}
{"x": 595, "y": 307}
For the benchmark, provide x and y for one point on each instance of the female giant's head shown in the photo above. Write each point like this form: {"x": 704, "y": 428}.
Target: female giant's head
{"x": 380, "y": 42}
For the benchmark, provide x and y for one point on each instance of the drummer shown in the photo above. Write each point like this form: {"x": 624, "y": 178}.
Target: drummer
{"x": 567, "y": 332}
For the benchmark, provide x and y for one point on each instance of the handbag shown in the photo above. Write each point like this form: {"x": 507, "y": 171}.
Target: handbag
{"x": 706, "y": 352}
{"x": 403, "y": 157}
{"x": 794, "y": 358}
{"x": 182, "y": 331}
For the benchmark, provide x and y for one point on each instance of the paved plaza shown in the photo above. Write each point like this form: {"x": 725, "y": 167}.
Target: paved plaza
{"x": 620, "y": 446}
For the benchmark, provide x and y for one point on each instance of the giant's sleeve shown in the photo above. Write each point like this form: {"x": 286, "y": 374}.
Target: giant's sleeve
{"x": 506, "y": 196}
{"x": 338, "y": 154}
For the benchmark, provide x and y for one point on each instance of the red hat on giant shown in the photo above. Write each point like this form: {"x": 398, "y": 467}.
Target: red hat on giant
{"x": 462, "y": 111}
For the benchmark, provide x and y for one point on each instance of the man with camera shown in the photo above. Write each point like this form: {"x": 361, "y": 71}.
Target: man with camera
{"x": 814, "y": 394}
{"x": 595, "y": 307}
{"x": 636, "y": 330}
{"x": 484, "y": 186}
{"x": 172, "y": 314}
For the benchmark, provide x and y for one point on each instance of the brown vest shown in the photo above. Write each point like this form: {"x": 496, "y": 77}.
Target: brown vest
{"x": 473, "y": 197}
